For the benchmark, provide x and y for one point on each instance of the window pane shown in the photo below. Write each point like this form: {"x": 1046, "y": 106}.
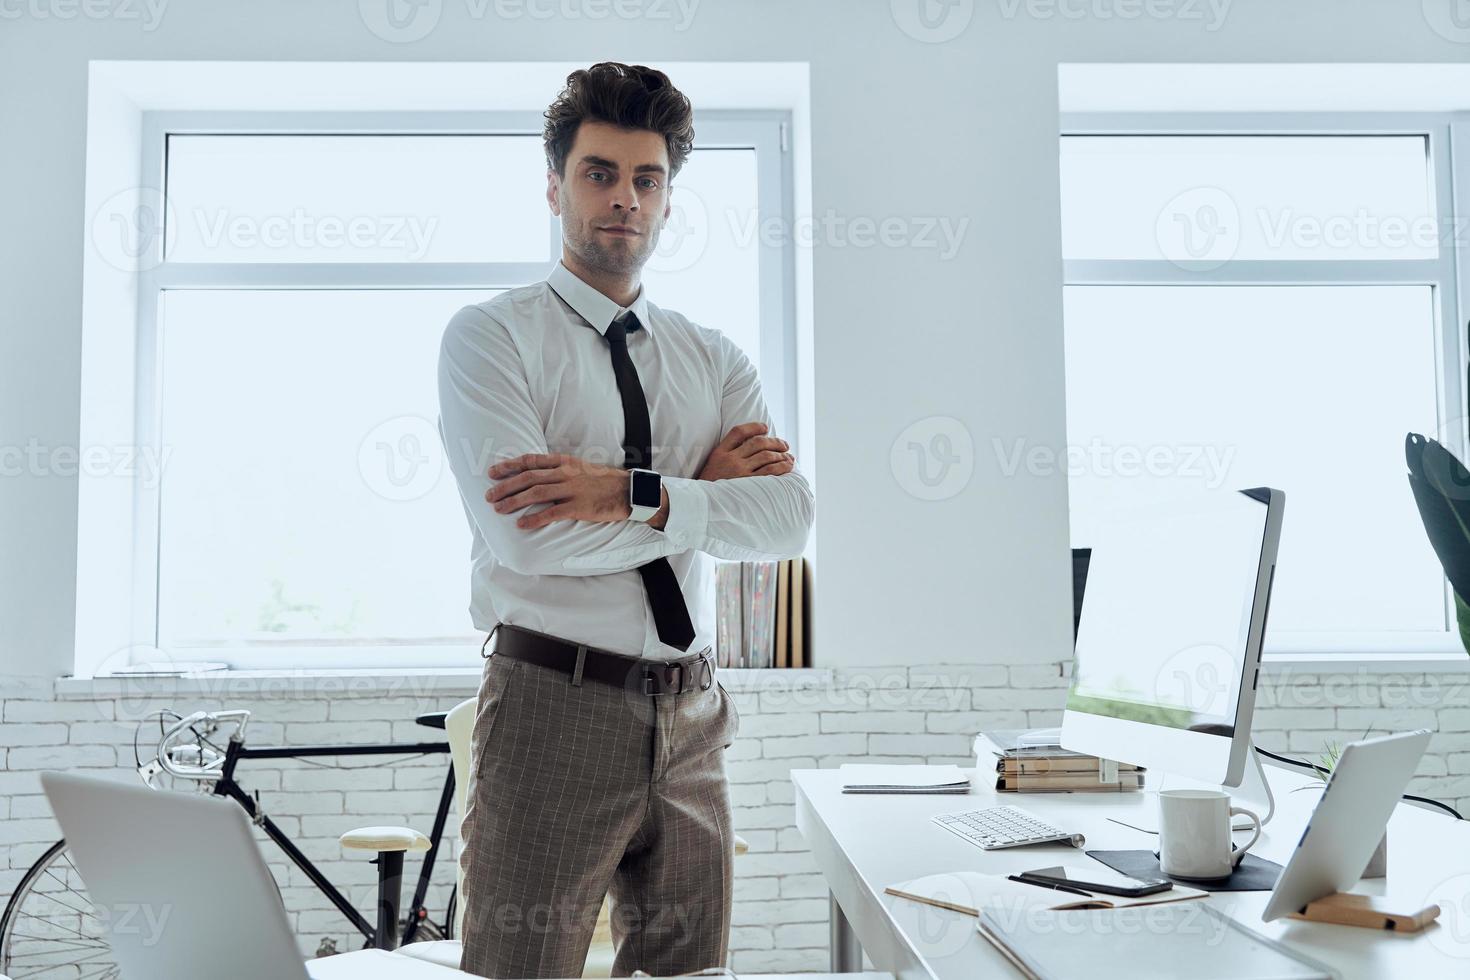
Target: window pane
{"x": 305, "y": 494}
{"x": 707, "y": 262}
{"x": 1308, "y": 389}
{"x": 357, "y": 199}
{"x": 1209, "y": 199}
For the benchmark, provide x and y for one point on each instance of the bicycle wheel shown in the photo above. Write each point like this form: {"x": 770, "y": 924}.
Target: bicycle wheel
{"x": 449, "y": 913}
{"x": 428, "y": 931}
{"x": 50, "y": 927}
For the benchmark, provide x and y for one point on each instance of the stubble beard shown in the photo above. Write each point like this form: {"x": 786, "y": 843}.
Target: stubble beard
{"x": 615, "y": 256}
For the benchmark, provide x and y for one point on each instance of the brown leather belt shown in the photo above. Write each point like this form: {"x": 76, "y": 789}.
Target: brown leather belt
{"x": 651, "y": 677}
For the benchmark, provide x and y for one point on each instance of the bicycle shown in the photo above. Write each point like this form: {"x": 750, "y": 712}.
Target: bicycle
{"x": 49, "y": 925}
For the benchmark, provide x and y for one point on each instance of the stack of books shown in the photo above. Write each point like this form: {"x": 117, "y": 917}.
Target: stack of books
{"x": 1035, "y": 762}
{"x": 762, "y": 613}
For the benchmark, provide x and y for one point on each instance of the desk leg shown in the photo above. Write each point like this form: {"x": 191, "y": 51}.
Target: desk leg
{"x": 847, "y": 952}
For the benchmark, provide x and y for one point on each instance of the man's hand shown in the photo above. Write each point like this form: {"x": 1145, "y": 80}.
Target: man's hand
{"x": 747, "y": 451}
{"x": 577, "y": 490}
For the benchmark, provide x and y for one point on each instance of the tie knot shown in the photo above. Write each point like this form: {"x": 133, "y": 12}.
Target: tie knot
{"x": 622, "y": 326}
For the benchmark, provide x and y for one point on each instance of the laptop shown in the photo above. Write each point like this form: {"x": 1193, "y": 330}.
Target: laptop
{"x": 1349, "y": 821}
{"x": 182, "y": 890}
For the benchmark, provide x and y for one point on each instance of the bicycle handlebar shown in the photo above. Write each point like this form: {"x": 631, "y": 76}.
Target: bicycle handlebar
{"x": 198, "y": 761}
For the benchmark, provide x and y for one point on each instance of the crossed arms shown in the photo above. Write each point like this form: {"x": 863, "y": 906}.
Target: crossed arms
{"x": 749, "y": 502}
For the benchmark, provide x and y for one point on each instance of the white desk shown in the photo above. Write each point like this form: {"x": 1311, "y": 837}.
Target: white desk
{"x": 375, "y": 964}
{"x": 864, "y": 843}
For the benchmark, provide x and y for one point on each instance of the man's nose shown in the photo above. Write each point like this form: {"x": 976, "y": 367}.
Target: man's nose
{"x": 625, "y": 196}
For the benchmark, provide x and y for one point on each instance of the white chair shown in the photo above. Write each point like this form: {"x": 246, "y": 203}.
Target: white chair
{"x": 390, "y": 844}
{"x": 459, "y": 726}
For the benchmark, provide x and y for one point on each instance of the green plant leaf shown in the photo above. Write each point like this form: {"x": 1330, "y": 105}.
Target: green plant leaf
{"x": 1441, "y": 488}
{"x": 1462, "y": 617}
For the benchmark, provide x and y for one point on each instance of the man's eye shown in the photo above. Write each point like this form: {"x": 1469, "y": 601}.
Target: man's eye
{"x": 650, "y": 184}
{"x": 596, "y": 174}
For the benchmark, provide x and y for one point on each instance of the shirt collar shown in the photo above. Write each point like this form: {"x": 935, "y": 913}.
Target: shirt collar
{"x": 592, "y": 305}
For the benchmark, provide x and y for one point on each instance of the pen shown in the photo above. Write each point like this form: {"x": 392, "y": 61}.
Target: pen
{"x": 1047, "y": 884}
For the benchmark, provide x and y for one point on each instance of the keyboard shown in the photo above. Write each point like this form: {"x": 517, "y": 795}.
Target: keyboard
{"x": 1004, "y": 826}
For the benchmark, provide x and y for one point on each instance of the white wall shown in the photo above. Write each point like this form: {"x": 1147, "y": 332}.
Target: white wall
{"x": 964, "y": 129}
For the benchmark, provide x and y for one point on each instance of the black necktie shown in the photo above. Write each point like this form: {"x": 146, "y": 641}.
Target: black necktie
{"x": 670, "y": 614}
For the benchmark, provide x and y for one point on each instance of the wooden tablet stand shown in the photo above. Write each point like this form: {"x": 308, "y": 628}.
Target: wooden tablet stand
{"x": 1367, "y": 911}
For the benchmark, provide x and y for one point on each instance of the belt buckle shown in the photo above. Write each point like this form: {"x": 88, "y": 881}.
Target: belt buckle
{"x": 664, "y": 670}
{"x": 669, "y": 669}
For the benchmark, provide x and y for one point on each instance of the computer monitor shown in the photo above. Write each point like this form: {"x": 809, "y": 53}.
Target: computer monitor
{"x": 1081, "y": 557}
{"x": 1168, "y": 653}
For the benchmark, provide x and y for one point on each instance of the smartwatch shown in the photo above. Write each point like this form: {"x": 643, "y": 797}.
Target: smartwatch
{"x": 645, "y": 494}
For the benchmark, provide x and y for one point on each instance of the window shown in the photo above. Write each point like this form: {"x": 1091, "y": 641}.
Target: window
{"x": 290, "y": 329}
{"x": 1264, "y": 302}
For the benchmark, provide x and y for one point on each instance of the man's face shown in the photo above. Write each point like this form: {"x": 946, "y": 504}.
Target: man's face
{"x": 614, "y": 199}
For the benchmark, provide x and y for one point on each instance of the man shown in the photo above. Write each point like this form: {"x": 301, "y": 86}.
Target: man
{"x": 600, "y": 733}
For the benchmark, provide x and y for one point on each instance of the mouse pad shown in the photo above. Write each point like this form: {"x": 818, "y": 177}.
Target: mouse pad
{"x": 1253, "y": 875}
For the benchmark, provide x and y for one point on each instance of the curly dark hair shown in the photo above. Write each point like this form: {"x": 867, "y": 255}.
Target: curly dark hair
{"x": 631, "y": 96}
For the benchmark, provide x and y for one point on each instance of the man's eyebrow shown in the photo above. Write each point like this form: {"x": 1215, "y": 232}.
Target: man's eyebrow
{"x": 642, "y": 168}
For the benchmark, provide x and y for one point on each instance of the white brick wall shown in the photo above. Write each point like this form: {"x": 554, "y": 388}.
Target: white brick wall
{"x": 1300, "y": 713}
{"x": 788, "y": 720}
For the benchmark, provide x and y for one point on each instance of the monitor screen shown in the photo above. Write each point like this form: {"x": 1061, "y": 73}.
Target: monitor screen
{"x": 1080, "y": 559}
{"x": 1170, "y": 594}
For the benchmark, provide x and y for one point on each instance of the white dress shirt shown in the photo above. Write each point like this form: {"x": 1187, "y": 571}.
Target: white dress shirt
{"x": 529, "y": 371}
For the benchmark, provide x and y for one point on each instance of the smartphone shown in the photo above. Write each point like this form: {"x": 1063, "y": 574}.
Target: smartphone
{"x": 1101, "y": 880}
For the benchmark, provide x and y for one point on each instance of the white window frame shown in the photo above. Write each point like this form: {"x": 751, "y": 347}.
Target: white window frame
{"x": 1447, "y": 138}
{"x": 767, "y": 132}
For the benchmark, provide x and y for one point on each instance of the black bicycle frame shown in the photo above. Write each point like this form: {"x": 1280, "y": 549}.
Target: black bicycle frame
{"x": 226, "y": 786}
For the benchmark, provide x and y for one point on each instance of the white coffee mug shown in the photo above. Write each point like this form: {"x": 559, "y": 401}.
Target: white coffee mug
{"x": 1194, "y": 833}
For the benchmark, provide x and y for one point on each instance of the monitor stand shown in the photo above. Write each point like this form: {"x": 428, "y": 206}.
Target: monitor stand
{"x": 1254, "y": 792}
